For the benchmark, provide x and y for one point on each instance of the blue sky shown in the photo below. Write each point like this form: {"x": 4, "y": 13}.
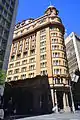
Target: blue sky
{"x": 69, "y": 11}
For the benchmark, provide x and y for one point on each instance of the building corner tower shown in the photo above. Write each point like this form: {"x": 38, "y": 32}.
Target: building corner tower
{"x": 56, "y": 60}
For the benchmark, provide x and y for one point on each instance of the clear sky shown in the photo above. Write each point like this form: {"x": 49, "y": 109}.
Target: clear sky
{"x": 69, "y": 11}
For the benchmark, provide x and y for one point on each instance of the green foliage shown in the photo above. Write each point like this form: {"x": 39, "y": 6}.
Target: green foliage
{"x": 2, "y": 77}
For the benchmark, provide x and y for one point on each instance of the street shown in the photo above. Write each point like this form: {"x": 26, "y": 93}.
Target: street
{"x": 55, "y": 116}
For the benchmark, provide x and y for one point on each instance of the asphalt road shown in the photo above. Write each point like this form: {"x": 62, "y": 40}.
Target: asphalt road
{"x": 55, "y": 116}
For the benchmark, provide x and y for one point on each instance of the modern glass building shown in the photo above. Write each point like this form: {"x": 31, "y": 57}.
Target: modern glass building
{"x": 8, "y": 9}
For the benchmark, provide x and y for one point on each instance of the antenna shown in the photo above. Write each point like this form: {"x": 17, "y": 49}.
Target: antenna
{"x": 50, "y": 3}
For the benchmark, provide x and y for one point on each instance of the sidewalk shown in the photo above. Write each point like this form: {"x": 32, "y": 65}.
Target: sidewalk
{"x": 55, "y": 116}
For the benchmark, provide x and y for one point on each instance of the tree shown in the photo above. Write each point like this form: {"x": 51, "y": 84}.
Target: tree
{"x": 2, "y": 77}
{"x": 2, "y": 83}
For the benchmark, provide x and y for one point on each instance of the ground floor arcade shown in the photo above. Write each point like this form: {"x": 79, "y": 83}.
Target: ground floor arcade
{"x": 35, "y": 96}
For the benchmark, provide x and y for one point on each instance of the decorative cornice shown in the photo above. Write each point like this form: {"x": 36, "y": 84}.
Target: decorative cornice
{"x": 39, "y": 28}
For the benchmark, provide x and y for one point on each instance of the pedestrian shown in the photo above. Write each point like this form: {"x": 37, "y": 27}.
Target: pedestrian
{"x": 71, "y": 110}
{"x": 10, "y": 107}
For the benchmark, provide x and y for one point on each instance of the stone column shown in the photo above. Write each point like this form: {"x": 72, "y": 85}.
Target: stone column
{"x": 52, "y": 94}
{"x": 64, "y": 101}
{"x": 55, "y": 97}
{"x": 67, "y": 102}
{"x": 56, "y": 101}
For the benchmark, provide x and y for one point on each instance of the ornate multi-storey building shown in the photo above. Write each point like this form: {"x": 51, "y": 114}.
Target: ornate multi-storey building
{"x": 8, "y": 10}
{"x": 38, "y": 49}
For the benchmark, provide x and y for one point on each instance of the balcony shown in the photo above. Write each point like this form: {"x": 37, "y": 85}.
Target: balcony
{"x": 26, "y": 49}
{"x": 32, "y": 47}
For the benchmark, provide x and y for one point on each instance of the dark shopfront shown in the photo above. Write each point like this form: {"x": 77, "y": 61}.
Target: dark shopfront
{"x": 30, "y": 96}
{"x": 76, "y": 90}
{"x": 76, "y": 94}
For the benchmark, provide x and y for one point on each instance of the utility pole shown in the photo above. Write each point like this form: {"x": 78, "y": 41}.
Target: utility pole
{"x": 73, "y": 108}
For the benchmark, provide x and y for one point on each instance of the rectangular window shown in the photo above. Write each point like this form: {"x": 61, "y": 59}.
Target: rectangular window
{"x": 43, "y": 50}
{"x": 6, "y": 33}
{"x": 32, "y": 60}
{"x": 55, "y": 47}
{"x": 10, "y": 72}
{"x": 16, "y": 77}
{"x": 7, "y": 6}
{"x": 11, "y": 65}
{"x": 2, "y": 21}
{"x": 44, "y": 72}
{"x": 42, "y": 31}
{"x": 23, "y": 69}
{"x": 43, "y": 64}
{"x": 43, "y": 43}
{"x": 25, "y": 54}
{"x": 9, "y": 79}
{"x": 2, "y": 53}
{"x": 56, "y": 71}
{"x": 56, "y": 54}
{"x": 1, "y": 9}
{"x": 31, "y": 75}
{"x": 17, "y": 64}
{"x": 5, "y": 13}
{"x": 1, "y": 30}
{"x": 16, "y": 71}
{"x": 18, "y": 56}
{"x": 11, "y": 10}
{"x": 32, "y": 67}
{"x": 53, "y": 34}
{"x": 32, "y": 52}
{"x": 43, "y": 57}
{"x": 55, "y": 40}
{"x": 12, "y": 3}
{"x": 7, "y": 25}
{"x": 20, "y": 46}
{"x": 12, "y": 58}
{"x": 9, "y": 17}
{"x": 56, "y": 62}
{"x": 3, "y": 1}
{"x": 43, "y": 37}
{"x": 54, "y": 28}
{"x": 24, "y": 62}
{"x": 14, "y": 49}
{"x": 23, "y": 76}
